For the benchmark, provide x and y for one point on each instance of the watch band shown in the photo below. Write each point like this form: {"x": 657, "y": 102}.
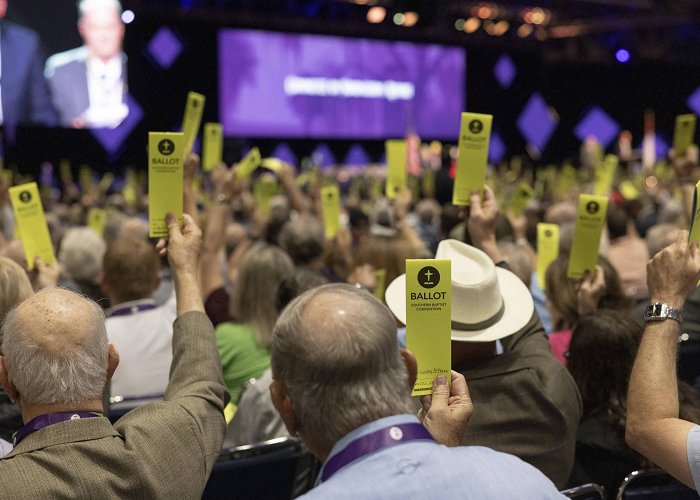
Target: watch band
{"x": 660, "y": 311}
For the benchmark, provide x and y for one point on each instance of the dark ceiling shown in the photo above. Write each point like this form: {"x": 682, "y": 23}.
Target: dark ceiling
{"x": 561, "y": 30}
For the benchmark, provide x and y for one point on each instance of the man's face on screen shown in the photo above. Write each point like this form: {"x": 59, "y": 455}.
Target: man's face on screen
{"x": 103, "y": 31}
{"x": 3, "y": 8}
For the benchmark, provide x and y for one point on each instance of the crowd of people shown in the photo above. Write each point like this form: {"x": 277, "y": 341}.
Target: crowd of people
{"x": 253, "y": 321}
{"x": 305, "y": 337}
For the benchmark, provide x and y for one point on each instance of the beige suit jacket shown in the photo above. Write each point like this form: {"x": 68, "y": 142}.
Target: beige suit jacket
{"x": 161, "y": 450}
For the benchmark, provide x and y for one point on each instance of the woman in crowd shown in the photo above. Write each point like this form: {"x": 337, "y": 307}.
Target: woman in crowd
{"x": 243, "y": 343}
{"x": 568, "y": 300}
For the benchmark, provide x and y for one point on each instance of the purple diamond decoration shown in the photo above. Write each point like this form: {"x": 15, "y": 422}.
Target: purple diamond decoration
{"x": 283, "y": 152}
{"x": 536, "y": 122}
{"x": 357, "y": 156}
{"x": 504, "y": 71}
{"x": 497, "y": 148}
{"x": 165, "y": 48}
{"x": 694, "y": 101}
{"x": 112, "y": 139}
{"x": 597, "y": 123}
{"x": 661, "y": 146}
{"x": 323, "y": 156}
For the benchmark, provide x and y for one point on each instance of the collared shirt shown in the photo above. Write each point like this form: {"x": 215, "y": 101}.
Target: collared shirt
{"x": 106, "y": 92}
{"x": 144, "y": 341}
{"x": 694, "y": 454}
{"x": 426, "y": 470}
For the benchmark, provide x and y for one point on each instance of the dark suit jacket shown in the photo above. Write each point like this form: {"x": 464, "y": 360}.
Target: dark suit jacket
{"x": 25, "y": 95}
{"x": 161, "y": 450}
{"x": 66, "y": 73}
{"x": 525, "y": 403}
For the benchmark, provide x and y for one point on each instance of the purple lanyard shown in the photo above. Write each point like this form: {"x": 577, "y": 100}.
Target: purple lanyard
{"x": 49, "y": 419}
{"x": 374, "y": 441}
{"x": 129, "y": 310}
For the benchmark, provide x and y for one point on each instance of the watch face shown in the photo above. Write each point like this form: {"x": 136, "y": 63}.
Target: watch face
{"x": 657, "y": 309}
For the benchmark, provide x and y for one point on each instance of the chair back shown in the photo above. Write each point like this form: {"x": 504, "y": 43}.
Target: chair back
{"x": 590, "y": 491}
{"x": 654, "y": 484}
{"x": 275, "y": 469}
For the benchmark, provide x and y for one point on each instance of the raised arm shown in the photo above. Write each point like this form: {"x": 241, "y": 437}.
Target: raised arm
{"x": 188, "y": 199}
{"x": 297, "y": 200}
{"x": 483, "y": 213}
{"x": 225, "y": 189}
{"x": 196, "y": 383}
{"x": 653, "y": 426}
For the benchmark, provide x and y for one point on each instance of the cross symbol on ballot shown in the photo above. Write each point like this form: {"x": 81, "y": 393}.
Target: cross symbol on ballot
{"x": 428, "y": 274}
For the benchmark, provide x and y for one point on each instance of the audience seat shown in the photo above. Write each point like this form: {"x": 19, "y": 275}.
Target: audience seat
{"x": 590, "y": 491}
{"x": 119, "y": 406}
{"x": 276, "y": 469}
{"x": 654, "y": 484}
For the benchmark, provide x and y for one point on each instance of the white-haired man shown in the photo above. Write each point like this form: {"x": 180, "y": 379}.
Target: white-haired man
{"x": 55, "y": 364}
{"x": 340, "y": 382}
{"x": 89, "y": 84}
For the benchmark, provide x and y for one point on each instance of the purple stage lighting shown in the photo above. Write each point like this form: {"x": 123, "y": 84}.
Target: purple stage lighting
{"x": 622, "y": 55}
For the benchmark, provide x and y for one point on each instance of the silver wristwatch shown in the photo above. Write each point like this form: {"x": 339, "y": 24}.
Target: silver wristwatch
{"x": 660, "y": 312}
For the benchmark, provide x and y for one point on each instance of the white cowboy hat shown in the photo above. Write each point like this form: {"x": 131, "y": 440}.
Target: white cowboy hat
{"x": 488, "y": 302}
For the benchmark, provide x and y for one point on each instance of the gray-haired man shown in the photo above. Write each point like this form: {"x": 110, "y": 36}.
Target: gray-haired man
{"x": 340, "y": 382}
{"x": 55, "y": 364}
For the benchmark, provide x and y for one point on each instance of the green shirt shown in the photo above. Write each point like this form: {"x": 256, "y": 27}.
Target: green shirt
{"x": 241, "y": 356}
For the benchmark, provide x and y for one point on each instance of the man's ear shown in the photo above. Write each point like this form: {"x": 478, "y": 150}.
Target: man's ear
{"x": 112, "y": 361}
{"x": 6, "y": 381}
{"x": 411, "y": 366}
{"x": 281, "y": 401}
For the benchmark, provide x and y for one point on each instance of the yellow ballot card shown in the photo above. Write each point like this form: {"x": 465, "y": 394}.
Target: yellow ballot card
{"x": 165, "y": 179}
{"x": 274, "y": 164}
{"x": 85, "y": 177}
{"x": 263, "y": 191}
{"x": 590, "y": 220}
{"x": 192, "y": 119}
{"x": 64, "y": 170}
{"x": 96, "y": 220}
{"x": 106, "y": 181}
{"x": 213, "y": 149}
{"x": 248, "y": 164}
{"x": 428, "y": 319}
{"x": 628, "y": 190}
{"x": 330, "y": 201}
{"x": 604, "y": 175}
{"x": 472, "y": 158}
{"x": 547, "y": 249}
{"x": 380, "y": 287}
{"x": 694, "y": 235}
{"x": 520, "y": 198}
{"x": 31, "y": 223}
{"x": 684, "y": 133}
{"x": 396, "y": 170}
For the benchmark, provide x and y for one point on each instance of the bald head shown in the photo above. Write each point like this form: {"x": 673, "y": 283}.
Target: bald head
{"x": 336, "y": 353}
{"x": 55, "y": 348}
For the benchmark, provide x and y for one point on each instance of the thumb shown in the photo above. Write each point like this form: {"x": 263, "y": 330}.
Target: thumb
{"x": 441, "y": 392}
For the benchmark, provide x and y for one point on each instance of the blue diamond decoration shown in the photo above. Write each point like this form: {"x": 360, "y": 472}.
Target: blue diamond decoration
{"x": 357, "y": 156}
{"x": 536, "y": 123}
{"x": 283, "y": 152}
{"x": 497, "y": 148}
{"x": 112, "y": 139}
{"x": 323, "y": 156}
{"x": 504, "y": 71}
{"x": 597, "y": 123}
{"x": 165, "y": 47}
{"x": 694, "y": 101}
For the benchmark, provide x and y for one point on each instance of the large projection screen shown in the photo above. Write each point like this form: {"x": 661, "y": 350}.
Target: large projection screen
{"x": 311, "y": 86}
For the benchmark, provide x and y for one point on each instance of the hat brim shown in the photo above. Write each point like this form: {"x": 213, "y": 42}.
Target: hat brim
{"x": 517, "y": 300}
